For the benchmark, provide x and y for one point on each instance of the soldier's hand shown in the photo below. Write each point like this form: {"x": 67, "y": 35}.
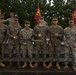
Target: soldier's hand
{"x": 24, "y": 43}
{"x": 4, "y": 42}
{"x": 56, "y": 34}
{"x": 47, "y": 39}
{"x": 39, "y": 35}
{"x": 74, "y": 45}
{"x": 15, "y": 37}
{"x": 50, "y": 44}
{"x": 32, "y": 39}
{"x": 67, "y": 45}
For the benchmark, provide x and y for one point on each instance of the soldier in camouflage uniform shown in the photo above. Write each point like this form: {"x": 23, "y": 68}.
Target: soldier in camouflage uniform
{"x": 26, "y": 37}
{"x": 40, "y": 34}
{"x": 13, "y": 43}
{"x": 44, "y": 22}
{"x": 3, "y": 30}
{"x": 70, "y": 43}
{"x": 56, "y": 33}
{"x": 11, "y": 19}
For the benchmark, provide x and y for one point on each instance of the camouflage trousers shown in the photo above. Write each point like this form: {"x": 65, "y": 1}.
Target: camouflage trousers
{"x": 40, "y": 47}
{"x": 68, "y": 51}
{"x": 27, "y": 49}
{"x": 13, "y": 47}
{"x": 54, "y": 51}
{"x": 4, "y": 48}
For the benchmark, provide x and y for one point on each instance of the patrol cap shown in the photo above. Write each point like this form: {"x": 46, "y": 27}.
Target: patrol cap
{"x": 71, "y": 20}
{"x": 15, "y": 18}
{"x": 41, "y": 17}
{"x": 1, "y": 17}
{"x": 27, "y": 22}
{"x": 54, "y": 18}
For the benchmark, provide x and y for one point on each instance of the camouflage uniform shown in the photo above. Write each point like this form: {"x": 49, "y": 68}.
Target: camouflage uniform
{"x": 45, "y": 23}
{"x": 26, "y": 37}
{"x": 3, "y": 30}
{"x": 55, "y": 41}
{"x": 13, "y": 30}
{"x": 40, "y": 45}
{"x": 10, "y": 20}
{"x": 70, "y": 39}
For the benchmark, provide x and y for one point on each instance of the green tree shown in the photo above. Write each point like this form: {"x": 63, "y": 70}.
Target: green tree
{"x": 26, "y": 9}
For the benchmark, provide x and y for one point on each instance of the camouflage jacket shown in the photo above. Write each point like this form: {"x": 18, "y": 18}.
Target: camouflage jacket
{"x": 13, "y": 30}
{"x": 70, "y": 35}
{"x": 43, "y": 30}
{"x": 56, "y": 29}
{"x": 9, "y": 21}
{"x": 25, "y": 35}
{"x": 3, "y": 34}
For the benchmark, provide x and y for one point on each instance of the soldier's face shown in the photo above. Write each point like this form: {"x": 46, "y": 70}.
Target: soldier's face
{"x": 55, "y": 21}
{"x": 71, "y": 23}
{"x": 27, "y": 25}
{"x": 1, "y": 20}
{"x": 12, "y": 14}
{"x": 41, "y": 20}
{"x": 15, "y": 21}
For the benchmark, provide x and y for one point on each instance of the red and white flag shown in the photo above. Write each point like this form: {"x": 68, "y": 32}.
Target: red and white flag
{"x": 37, "y": 15}
{"x": 74, "y": 16}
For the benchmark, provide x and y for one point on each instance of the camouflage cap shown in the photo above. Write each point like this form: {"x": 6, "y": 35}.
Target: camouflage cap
{"x": 27, "y": 22}
{"x": 1, "y": 17}
{"x": 41, "y": 17}
{"x": 16, "y": 18}
{"x": 54, "y": 18}
{"x": 71, "y": 19}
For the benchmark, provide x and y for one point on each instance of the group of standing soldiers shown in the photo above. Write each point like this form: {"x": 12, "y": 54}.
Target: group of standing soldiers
{"x": 20, "y": 40}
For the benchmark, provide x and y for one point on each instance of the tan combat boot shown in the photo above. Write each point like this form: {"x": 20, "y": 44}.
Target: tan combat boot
{"x": 24, "y": 65}
{"x": 2, "y": 65}
{"x": 9, "y": 65}
{"x": 74, "y": 68}
{"x": 58, "y": 66}
{"x": 44, "y": 65}
{"x": 30, "y": 64}
{"x": 36, "y": 65}
{"x": 50, "y": 65}
{"x": 66, "y": 66}
{"x": 19, "y": 65}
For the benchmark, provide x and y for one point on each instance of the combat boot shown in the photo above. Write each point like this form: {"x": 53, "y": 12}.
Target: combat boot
{"x": 19, "y": 65}
{"x": 44, "y": 65}
{"x": 50, "y": 65}
{"x": 36, "y": 65}
{"x": 9, "y": 65}
{"x": 30, "y": 64}
{"x": 2, "y": 65}
{"x": 66, "y": 66}
{"x": 58, "y": 66}
{"x": 74, "y": 68}
{"x": 24, "y": 65}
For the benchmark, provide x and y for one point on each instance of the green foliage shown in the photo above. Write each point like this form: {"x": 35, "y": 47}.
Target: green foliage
{"x": 26, "y": 10}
